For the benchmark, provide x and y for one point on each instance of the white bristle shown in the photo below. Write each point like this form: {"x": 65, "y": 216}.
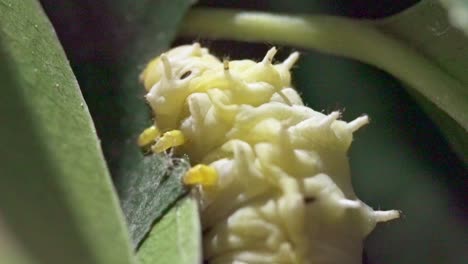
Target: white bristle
{"x": 349, "y": 203}
{"x": 167, "y": 66}
{"x": 291, "y": 60}
{"x": 384, "y": 216}
{"x": 358, "y": 123}
{"x": 269, "y": 55}
{"x": 328, "y": 120}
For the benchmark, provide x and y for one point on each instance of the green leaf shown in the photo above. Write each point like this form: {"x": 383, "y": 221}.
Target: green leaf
{"x": 11, "y": 251}
{"x": 453, "y": 132}
{"x": 55, "y": 192}
{"x": 156, "y": 23}
{"x": 176, "y": 238}
{"x": 427, "y": 29}
{"x": 123, "y": 36}
{"x": 435, "y": 77}
{"x": 150, "y": 194}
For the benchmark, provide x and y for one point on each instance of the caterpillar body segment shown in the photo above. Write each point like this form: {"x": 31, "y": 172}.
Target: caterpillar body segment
{"x": 201, "y": 175}
{"x": 168, "y": 140}
{"x": 273, "y": 175}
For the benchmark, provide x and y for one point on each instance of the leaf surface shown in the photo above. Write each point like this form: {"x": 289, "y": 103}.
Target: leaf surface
{"x": 56, "y": 195}
{"x": 426, "y": 27}
{"x": 155, "y": 25}
{"x": 458, "y": 13}
{"x": 172, "y": 239}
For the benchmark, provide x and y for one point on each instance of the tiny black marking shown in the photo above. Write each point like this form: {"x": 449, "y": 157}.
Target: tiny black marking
{"x": 226, "y": 64}
{"x": 308, "y": 200}
{"x": 185, "y": 75}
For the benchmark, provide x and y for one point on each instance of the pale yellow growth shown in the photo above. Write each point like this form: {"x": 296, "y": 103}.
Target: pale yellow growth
{"x": 276, "y": 187}
{"x": 148, "y": 136}
{"x": 201, "y": 175}
{"x": 150, "y": 76}
{"x": 154, "y": 71}
{"x": 168, "y": 140}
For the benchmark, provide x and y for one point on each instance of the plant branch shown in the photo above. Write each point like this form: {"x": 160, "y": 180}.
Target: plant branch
{"x": 350, "y": 38}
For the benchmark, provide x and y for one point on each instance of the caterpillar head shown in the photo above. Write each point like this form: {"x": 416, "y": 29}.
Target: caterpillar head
{"x": 167, "y": 80}
{"x": 170, "y": 78}
{"x": 181, "y": 58}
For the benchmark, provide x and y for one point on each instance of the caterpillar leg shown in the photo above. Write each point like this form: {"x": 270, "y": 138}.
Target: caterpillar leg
{"x": 201, "y": 175}
{"x": 198, "y": 175}
{"x": 168, "y": 140}
{"x": 148, "y": 136}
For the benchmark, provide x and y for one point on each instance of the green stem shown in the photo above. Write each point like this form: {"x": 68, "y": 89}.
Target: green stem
{"x": 350, "y": 38}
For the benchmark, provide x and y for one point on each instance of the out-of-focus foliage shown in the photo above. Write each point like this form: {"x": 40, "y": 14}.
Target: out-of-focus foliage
{"x": 426, "y": 28}
{"x": 458, "y": 13}
{"x": 11, "y": 251}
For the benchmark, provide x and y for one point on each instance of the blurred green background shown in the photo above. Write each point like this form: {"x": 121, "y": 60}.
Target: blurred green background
{"x": 400, "y": 161}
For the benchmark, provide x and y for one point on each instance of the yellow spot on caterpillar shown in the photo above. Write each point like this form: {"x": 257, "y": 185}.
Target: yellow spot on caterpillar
{"x": 168, "y": 140}
{"x": 148, "y": 136}
{"x": 201, "y": 174}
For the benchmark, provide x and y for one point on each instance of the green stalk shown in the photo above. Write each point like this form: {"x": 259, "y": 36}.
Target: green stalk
{"x": 350, "y": 38}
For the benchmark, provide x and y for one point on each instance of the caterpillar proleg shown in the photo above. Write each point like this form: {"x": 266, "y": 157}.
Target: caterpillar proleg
{"x": 272, "y": 175}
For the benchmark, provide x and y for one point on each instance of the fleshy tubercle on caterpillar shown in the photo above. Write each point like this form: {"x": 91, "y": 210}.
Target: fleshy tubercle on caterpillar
{"x": 272, "y": 175}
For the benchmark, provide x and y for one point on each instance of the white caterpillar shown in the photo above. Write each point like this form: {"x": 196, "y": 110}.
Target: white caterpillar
{"x": 273, "y": 175}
